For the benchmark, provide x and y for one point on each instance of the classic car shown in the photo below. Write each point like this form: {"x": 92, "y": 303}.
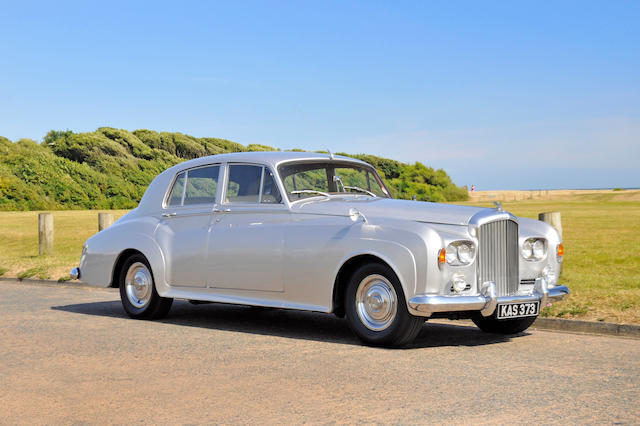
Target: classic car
{"x": 322, "y": 233}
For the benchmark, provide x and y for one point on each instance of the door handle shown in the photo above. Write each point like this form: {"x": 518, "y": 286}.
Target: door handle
{"x": 217, "y": 210}
{"x": 168, "y": 214}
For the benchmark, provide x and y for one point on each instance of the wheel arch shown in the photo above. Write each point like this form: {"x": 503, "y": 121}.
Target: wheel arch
{"x": 345, "y": 271}
{"x": 147, "y": 247}
{"x": 119, "y": 263}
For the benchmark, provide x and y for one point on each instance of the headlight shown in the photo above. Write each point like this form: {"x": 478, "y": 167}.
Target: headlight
{"x": 451, "y": 254}
{"x": 460, "y": 253}
{"x": 538, "y": 249}
{"x": 465, "y": 253}
{"x": 534, "y": 249}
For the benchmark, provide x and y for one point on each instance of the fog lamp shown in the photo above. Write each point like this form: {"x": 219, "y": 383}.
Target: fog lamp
{"x": 458, "y": 282}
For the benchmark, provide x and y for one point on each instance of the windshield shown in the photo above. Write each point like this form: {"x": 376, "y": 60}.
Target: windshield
{"x": 313, "y": 179}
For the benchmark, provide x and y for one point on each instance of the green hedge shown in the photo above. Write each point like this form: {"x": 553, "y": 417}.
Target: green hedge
{"x": 111, "y": 168}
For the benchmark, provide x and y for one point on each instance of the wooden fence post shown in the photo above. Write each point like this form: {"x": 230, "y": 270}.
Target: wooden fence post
{"x": 45, "y": 233}
{"x": 552, "y": 218}
{"x": 105, "y": 220}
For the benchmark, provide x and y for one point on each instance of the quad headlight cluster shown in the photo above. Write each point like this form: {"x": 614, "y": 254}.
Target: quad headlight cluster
{"x": 460, "y": 253}
{"x": 534, "y": 249}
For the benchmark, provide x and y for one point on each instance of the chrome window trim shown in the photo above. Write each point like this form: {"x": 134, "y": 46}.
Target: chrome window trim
{"x": 261, "y": 187}
{"x": 223, "y": 193}
{"x": 165, "y": 202}
{"x": 337, "y": 162}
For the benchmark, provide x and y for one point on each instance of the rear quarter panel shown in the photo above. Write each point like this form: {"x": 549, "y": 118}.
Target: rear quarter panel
{"x": 103, "y": 250}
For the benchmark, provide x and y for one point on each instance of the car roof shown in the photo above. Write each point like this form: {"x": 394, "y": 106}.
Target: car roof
{"x": 156, "y": 190}
{"x": 272, "y": 158}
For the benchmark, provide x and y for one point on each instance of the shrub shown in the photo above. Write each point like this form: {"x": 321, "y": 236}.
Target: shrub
{"x": 111, "y": 168}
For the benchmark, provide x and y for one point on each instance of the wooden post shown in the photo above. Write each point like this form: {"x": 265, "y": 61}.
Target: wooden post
{"x": 45, "y": 233}
{"x": 552, "y": 218}
{"x": 105, "y": 220}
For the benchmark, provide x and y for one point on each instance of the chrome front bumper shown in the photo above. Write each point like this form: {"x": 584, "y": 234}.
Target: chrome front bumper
{"x": 486, "y": 302}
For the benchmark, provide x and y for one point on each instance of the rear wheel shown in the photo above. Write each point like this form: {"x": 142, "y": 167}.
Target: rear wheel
{"x": 503, "y": 326}
{"x": 138, "y": 291}
{"x": 376, "y": 308}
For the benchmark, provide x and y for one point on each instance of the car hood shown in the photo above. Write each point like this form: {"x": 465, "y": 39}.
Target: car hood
{"x": 420, "y": 211}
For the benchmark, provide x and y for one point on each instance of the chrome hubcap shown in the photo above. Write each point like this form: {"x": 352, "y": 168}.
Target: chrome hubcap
{"x": 376, "y": 302}
{"x": 139, "y": 285}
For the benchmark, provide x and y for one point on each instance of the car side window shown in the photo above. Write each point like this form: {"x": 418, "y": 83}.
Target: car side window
{"x": 175, "y": 198}
{"x": 202, "y": 185}
{"x": 244, "y": 183}
{"x": 270, "y": 193}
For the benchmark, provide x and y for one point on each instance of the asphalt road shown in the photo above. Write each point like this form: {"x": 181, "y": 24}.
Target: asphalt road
{"x": 69, "y": 355}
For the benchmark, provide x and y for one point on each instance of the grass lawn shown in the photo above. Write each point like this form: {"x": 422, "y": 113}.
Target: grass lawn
{"x": 19, "y": 242}
{"x": 601, "y": 238}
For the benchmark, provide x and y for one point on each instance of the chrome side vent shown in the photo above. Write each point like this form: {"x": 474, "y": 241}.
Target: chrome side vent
{"x": 498, "y": 256}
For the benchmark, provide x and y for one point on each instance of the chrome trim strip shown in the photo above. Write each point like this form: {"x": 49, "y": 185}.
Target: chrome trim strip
{"x": 426, "y": 304}
{"x": 490, "y": 215}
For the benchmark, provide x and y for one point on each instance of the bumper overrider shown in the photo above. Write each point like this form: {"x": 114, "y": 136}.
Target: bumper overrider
{"x": 486, "y": 302}
{"x": 75, "y": 274}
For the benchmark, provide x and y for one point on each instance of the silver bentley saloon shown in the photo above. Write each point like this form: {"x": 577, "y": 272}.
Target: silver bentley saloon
{"x": 322, "y": 233}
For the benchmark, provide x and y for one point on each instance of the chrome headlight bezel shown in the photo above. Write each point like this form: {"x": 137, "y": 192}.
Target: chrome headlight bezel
{"x": 460, "y": 253}
{"x": 534, "y": 249}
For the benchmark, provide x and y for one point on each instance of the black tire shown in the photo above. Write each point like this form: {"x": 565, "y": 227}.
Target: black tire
{"x": 502, "y": 326}
{"x": 400, "y": 328}
{"x": 151, "y": 306}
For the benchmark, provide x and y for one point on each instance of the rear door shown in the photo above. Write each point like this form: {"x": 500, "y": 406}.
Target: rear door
{"x": 183, "y": 230}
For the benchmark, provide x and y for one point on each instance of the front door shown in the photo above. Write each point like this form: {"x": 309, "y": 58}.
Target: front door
{"x": 245, "y": 249}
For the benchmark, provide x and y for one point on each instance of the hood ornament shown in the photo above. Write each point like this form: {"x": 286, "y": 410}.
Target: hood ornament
{"x": 498, "y": 205}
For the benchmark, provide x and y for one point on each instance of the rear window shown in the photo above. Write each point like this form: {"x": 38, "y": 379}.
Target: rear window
{"x": 195, "y": 186}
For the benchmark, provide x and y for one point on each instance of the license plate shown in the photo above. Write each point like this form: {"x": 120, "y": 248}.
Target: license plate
{"x": 518, "y": 310}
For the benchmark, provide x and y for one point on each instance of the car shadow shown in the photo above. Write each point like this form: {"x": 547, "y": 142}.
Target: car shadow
{"x": 290, "y": 324}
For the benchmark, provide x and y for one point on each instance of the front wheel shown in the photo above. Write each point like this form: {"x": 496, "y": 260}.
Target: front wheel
{"x": 502, "y": 326}
{"x": 376, "y": 308}
{"x": 138, "y": 291}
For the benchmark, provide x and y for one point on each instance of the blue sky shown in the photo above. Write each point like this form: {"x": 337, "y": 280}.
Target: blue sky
{"x": 502, "y": 95}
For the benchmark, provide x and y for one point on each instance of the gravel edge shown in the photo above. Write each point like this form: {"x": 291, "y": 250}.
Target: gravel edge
{"x": 547, "y": 324}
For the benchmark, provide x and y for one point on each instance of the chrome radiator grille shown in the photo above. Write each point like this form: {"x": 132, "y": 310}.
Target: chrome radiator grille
{"x": 498, "y": 256}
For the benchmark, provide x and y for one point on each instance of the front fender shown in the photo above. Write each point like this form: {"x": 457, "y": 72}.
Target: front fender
{"x": 399, "y": 258}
